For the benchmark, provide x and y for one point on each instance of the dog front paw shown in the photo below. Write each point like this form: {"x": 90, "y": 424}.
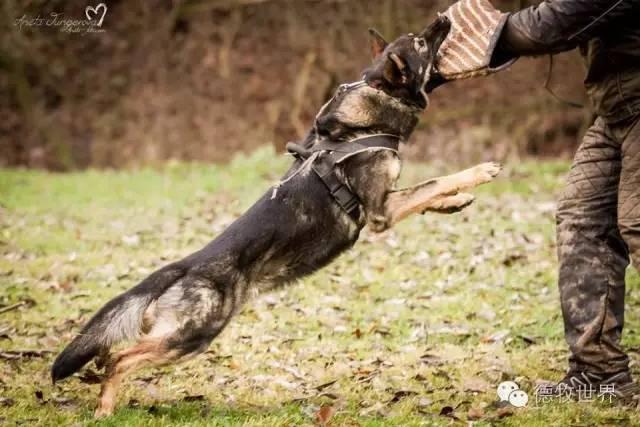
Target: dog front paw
{"x": 485, "y": 172}
{"x": 378, "y": 223}
{"x": 451, "y": 204}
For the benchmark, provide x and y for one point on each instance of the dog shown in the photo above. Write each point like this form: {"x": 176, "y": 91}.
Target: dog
{"x": 297, "y": 227}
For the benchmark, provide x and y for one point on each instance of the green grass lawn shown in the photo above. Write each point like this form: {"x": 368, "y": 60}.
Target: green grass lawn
{"x": 409, "y": 326}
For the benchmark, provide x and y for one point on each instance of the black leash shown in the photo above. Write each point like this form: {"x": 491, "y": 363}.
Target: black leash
{"x": 592, "y": 23}
{"x": 327, "y": 156}
{"x": 547, "y": 87}
{"x": 571, "y": 37}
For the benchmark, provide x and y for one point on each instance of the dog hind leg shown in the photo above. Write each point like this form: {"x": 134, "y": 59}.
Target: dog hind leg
{"x": 179, "y": 325}
{"x": 146, "y": 352}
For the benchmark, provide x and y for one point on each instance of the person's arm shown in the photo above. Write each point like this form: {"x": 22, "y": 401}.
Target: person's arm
{"x": 559, "y": 25}
{"x": 483, "y": 40}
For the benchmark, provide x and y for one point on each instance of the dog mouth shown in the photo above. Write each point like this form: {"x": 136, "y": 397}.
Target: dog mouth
{"x": 436, "y": 34}
{"x": 406, "y": 67}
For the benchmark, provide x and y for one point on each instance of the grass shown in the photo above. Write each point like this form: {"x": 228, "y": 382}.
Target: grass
{"x": 424, "y": 320}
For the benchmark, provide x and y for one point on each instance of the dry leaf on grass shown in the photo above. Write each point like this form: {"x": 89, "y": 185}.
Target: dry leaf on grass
{"x": 7, "y": 401}
{"x": 475, "y": 413}
{"x": 528, "y": 339}
{"x": 324, "y": 414}
{"x": 325, "y": 385}
{"x": 378, "y": 408}
{"x": 475, "y": 384}
{"x": 496, "y": 337}
{"x": 504, "y": 412}
{"x": 65, "y": 403}
{"x": 90, "y": 376}
{"x": 194, "y": 398}
{"x": 23, "y": 354}
{"x": 401, "y": 394}
{"x": 448, "y": 411}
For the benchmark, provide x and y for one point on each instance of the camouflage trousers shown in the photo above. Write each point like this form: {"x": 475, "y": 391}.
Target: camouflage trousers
{"x": 598, "y": 226}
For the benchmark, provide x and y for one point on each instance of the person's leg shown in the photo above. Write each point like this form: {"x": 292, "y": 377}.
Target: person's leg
{"x": 629, "y": 192}
{"x": 592, "y": 256}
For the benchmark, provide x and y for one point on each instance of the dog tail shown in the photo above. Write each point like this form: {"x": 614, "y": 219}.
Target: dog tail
{"x": 118, "y": 320}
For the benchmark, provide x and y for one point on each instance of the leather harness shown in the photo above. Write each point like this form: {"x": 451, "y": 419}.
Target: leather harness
{"x": 325, "y": 156}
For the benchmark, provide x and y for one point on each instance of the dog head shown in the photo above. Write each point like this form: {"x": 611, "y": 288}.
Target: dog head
{"x": 393, "y": 91}
{"x": 358, "y": 108}
{"x": 403, "y": 68}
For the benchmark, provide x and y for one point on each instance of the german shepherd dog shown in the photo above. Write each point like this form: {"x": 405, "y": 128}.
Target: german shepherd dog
{"x": 176, "y": 312}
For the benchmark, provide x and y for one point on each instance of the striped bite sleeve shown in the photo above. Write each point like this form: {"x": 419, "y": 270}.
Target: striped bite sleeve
{"x": 467, "y": 50}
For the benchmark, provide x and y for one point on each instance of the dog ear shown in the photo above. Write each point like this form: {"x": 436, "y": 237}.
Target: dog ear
{"x": 394, "y": 69}
{"x": 378, "y": 43}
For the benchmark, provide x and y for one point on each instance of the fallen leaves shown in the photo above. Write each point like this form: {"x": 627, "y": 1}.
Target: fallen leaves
{"x": 194, "y": 398}
{"x": 475, "y": 413}
{"x": 62, "y": 402}
{"x": 25, "y": 303}
{"x": 89, "y": 376}
{"x": 401, "y": 394}
{"x": 23, "y": 354}
{"x": 514, "y": 258}
{"x": 504, "y": 412}
{"x": 325, "y": 385}
{"x": 475, "y": 385}
{"x": 496, "y": 337}
{"x": 448, "y": 411}
{"x": 450, "y": 330}
{"x": 131, "y": 240}
{"x": 324, "y": 414}
{"x": 7, "y": 401}
{"x": 378, "y": 409}
{"x": 404, "y": 326}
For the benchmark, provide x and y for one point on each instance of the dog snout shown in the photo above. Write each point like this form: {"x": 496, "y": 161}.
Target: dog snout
{"x": 437, "y": 31}
{"x": 443, "y": 25}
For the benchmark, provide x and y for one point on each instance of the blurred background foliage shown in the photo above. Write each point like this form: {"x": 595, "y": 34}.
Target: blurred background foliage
{"x": 203, "y": 79}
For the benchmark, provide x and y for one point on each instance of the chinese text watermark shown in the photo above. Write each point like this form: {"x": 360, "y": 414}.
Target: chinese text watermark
{"x": 546, "y": 393}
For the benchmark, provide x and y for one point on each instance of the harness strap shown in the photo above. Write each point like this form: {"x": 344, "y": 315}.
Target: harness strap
{"x": 380, "y": 140}
{"x": 328, "y": 155}
{"x": 338, "y": 190}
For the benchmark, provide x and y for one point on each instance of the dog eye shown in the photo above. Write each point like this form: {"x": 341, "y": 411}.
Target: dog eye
{"x": 421, "y": 43}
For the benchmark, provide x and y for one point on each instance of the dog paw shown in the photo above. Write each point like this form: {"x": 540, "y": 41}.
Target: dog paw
{"x": 452, "y": 204}
{"x": 378, "y": 223}
{"x": 102, "y": 412}
{"x": 462, "y": 200}
{"x": 485, "y": 172}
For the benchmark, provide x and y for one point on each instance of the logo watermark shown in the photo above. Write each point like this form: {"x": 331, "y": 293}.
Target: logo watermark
{"x": 92, "y": 24}
{"x": 510, "y": 392}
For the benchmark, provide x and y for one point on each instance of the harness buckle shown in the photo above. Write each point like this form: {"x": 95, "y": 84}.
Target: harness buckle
{"x": 345, "y": 198}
